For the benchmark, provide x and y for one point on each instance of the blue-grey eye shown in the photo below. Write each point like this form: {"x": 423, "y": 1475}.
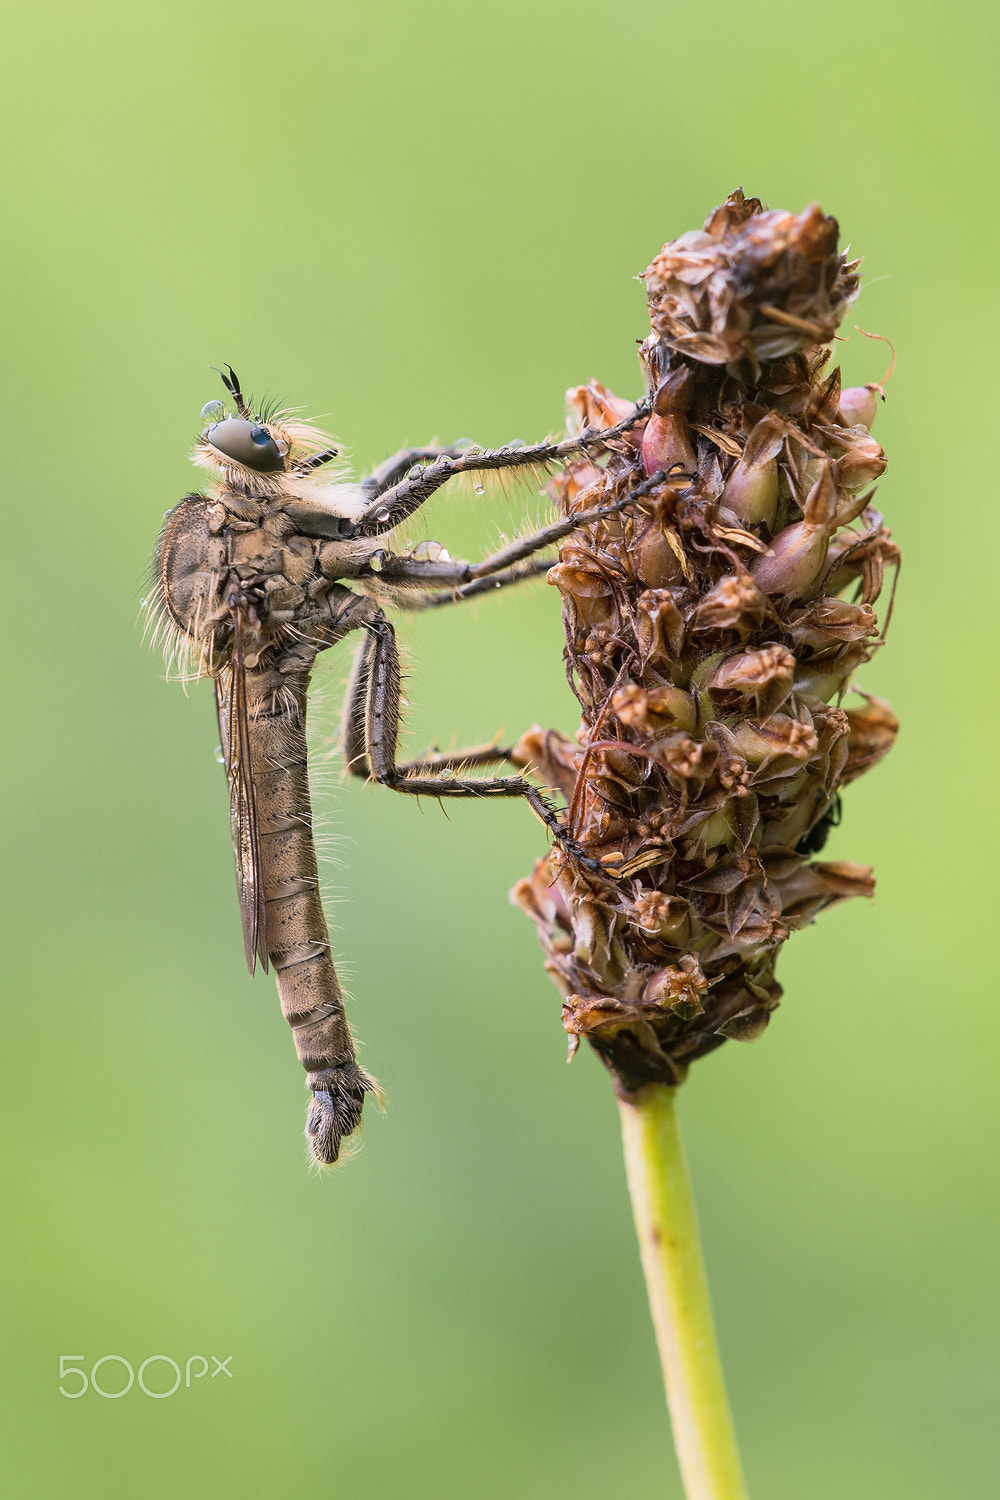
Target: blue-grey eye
{"x": 246, "y": 442}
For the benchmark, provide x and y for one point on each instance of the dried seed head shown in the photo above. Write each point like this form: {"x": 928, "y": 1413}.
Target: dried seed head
{"x": 708, "y": 648}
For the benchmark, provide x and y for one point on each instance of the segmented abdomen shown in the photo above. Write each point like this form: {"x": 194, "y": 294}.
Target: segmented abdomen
{"x": 298, "y": 941}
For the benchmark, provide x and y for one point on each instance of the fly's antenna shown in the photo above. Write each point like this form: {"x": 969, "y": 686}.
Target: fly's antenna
{"x": 232, "y": 384}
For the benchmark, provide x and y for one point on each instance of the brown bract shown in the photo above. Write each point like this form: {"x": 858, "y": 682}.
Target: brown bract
{"x": 712, "y": 632}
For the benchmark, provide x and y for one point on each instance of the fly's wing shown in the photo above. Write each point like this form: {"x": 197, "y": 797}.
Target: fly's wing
{"x": 234, "y": 732}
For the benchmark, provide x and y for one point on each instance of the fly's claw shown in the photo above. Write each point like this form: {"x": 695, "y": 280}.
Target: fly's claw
{"x": 573, "y": 847}
{"x": 563, "y": 837}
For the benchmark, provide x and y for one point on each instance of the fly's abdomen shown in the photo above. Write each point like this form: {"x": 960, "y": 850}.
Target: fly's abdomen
{"x": 298, "y": 941}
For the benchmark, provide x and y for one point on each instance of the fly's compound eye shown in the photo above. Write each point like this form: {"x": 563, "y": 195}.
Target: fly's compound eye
{"x": 248, "y": 443}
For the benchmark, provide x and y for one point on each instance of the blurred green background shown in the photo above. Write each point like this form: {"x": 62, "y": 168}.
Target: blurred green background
{"x": 425, "y": 221}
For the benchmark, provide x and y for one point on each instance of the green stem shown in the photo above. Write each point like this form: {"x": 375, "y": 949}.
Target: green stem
{"x": 669, "y": 1244}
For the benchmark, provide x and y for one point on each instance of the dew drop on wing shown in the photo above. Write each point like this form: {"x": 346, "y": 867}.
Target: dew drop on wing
{"x": 377, "y": 562}
{"x": 382, "y": 514}
{"x": 415, "y": 471}
{"x": 479, "y": 489}
{"x": 219, "y": 755}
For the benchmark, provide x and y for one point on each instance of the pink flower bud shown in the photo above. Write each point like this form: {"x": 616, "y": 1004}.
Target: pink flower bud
{"x": 858, "y": 404}
{"x": 665, "y": 443}
{"x": 673, "y": 394}
{"x": 795, "y": 561}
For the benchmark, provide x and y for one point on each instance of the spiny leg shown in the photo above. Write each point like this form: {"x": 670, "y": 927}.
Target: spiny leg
{"x": 535, "y": 568}
{"x": 395, "y": 504}
{"x": 365, "y": 725}
{"x": 371, "y": 731}
{"x": 392, "y": 470}
{"x": 417, "y": 570}
{"x": 434, "y": 761}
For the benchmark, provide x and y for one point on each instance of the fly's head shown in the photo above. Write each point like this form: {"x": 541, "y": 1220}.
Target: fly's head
{"x": 259, "y": 454}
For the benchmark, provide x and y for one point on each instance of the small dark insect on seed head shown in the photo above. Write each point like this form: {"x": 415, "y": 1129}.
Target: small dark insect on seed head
{"x": 813, "y": 841}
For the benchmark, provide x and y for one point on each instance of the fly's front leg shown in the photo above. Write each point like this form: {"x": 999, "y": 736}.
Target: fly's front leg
{"x": 371, "y": 732}
{"x": 395, "y": 504}
{"x": 392, "y": 470}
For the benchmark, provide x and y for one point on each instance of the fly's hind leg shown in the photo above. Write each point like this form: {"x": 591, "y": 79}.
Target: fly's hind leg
{"x": 371, "y": 730}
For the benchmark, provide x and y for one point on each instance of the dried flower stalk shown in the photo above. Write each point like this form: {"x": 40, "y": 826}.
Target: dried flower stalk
{"x": 709, "y": 644}
{"x": 713, "y": 629}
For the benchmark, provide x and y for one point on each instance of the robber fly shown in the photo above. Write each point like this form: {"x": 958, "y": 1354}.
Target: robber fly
{"x": 250, "y": 584}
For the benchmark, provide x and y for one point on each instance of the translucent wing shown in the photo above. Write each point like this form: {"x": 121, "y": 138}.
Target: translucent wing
{"x": 234, "y": 732}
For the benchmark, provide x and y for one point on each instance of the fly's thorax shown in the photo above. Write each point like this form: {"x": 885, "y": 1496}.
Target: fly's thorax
{"x": 220, "y": 556}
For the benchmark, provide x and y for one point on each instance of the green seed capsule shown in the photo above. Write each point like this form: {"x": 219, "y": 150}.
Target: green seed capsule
{"x": 752, "y": 494}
